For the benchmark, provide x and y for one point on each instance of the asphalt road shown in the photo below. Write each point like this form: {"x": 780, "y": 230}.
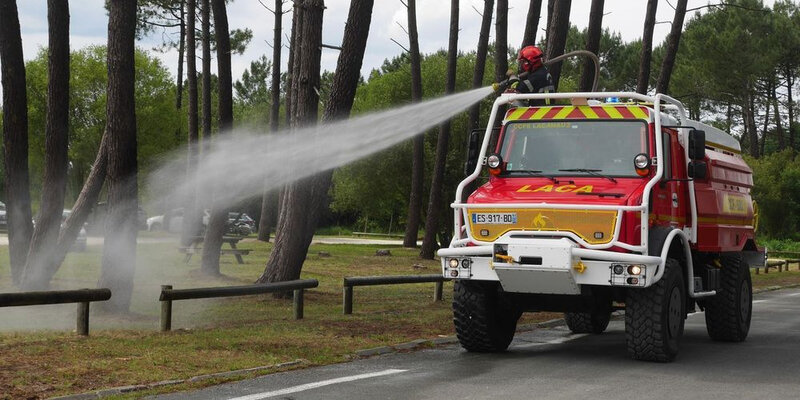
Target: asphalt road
{"x": 554, "y": 364}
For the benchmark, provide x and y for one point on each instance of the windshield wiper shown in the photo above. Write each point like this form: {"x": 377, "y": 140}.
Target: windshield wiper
{"x": 532, "y": 171}
{"x": 590, "y": 171}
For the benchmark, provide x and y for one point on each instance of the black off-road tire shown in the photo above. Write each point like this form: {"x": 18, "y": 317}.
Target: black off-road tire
{"x": 584, "y": 322}
{"x": 728, "y": 313}
{"x": 484, "y": 320}
{"x": 655, "y": 317}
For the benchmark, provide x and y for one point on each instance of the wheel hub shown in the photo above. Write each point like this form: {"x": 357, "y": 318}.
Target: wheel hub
{"x": 674, "y": 316}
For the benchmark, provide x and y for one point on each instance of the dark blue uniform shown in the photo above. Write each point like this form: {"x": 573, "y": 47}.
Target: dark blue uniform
{"x": 538, "y": 81}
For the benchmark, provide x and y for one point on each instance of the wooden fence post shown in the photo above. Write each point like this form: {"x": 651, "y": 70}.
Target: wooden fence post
{"x": 437, "y": 291}
{"x": 83, "y": 319}
{"x": 298, "y": 304}
{"x": 166, "y": 311}
{"x": 347, "y": 307}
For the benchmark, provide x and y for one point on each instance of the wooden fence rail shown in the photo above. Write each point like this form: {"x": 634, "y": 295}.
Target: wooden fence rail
{"x": 168, "y": 295}
{"x": 81, "y": 296}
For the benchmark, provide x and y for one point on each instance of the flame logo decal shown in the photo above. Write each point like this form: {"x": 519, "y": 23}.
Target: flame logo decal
{"x": 540, "y": 221}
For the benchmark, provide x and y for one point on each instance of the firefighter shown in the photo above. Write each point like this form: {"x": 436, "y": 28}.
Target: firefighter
{"x": 535, "y": 76}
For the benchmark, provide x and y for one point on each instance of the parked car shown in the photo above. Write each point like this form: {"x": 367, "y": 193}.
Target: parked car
{"x": 80, "y": 241}
{"x": 97, "y": 219}
{"x": 240, "y": 224}
{"x": 3, "y": 218}
{"x": 173, "y": 222}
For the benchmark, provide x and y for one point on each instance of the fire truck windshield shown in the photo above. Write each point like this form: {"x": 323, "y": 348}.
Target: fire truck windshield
{"x": 549, "y": 148}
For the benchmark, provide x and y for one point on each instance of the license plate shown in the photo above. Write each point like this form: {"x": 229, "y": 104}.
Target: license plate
{"x": 494, "y": 218}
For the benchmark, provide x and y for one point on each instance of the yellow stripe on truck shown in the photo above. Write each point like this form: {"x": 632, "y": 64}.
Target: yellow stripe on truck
{"x": 564, "y": 112}
{"x": 612, "y": 112}
{"x": 588, "y": 112}
{"x": 638, "y": 113}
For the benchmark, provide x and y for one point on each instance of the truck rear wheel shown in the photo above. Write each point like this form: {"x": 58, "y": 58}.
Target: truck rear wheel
{"x": 728, "y": 313}
{"x": 655, "y": 316}
{"x": 484, "y": 321}
{"x": 584, "y": 322}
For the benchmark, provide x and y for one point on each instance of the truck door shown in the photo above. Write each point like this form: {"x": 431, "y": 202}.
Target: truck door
{"x": 671, "y": 198}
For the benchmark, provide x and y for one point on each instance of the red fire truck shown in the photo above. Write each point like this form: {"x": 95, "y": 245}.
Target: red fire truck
{"x": 594, "y": 206}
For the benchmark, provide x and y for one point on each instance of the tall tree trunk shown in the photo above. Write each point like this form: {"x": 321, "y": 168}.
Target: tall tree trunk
{"x": 119, "y": 248}
{"x": 54, "y": 186}
{"x": 268, "y": 202}
{"x": 789, "y": 86}
{"x": 551, "y": 5}
{"x": 593, "y": 35}
{"x": 750, "y": 122}
{"x": 557, "y": 42}
{"x": 429, "y": 243}
{"x": 418, "y": 152}
{"x": 290, "y": 64}
{"x": 778, "y": 122}
{"x": 501, "y": 41}
{"x": 181, "y": 51}
{"x": 480, "y": 61}
{"x": 643, "y": 80}
{"x": 15, "y": 139}
{"x": 766, "y": 119}
{"x": 212, "y": 243}
{"x": 673, "y": 40}
{"x": 205, "y": 38}
{"x": 192, "y": 225}
{"x": 532, "y": 23}
{"x": 303, "y": 200}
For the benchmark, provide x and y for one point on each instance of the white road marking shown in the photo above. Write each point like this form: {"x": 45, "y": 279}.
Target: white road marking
{"x": 314, "y": 385}
{"x": 554, "y": 341}
{"x": 793, "y": 294}
{"x": 758, "y": 301}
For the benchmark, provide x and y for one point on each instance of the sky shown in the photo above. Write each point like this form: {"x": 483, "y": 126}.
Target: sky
{"x": 88, "y": 26}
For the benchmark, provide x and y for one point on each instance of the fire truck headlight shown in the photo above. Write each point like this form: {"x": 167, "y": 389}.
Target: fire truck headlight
{"x": 641, "y": 162}
{"x": 453, "y": 262}
{"x": 494, "y": 161}
{"x": 635, "y": 269}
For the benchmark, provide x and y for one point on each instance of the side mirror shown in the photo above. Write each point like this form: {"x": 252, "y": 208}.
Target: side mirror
{"x": 473, "y": 147}
{"x": 697, "y": 145}
{"x": 697, "y": 170}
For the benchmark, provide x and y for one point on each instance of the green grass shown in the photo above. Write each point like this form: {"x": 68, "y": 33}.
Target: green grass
{"x": 42, "y": 356}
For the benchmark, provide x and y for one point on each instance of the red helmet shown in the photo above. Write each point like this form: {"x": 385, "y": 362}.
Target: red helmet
{"x": 530, "y": 58}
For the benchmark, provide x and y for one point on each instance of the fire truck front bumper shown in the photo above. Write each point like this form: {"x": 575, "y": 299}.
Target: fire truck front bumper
{"x": 548, "y": 266}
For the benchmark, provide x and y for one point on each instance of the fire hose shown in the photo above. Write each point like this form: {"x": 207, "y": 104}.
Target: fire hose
{"x": 502, "y": 86}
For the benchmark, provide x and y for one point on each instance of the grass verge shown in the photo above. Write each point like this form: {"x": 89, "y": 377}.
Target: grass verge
{"x": 42, "y": 356}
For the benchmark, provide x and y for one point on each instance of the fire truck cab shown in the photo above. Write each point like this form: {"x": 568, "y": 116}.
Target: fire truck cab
{"x": 593, "y": 206}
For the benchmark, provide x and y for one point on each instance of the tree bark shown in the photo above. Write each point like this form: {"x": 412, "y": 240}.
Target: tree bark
{"x": 532, "y": 23}
{"x": 789, "y": 85}
{"x": 119, "y": 248}
{"x": 429, "y": 242}
{"x": 778, "y": 122}
{"x": 643, "y": 80}
{"x": 268, "y": 202}
{"x": 181, "y": 51}
{"x": 192, "y": 225}
{"x": 54, "y": 185}
{"x": 593, "y": 34}
{"x": 302, "y": 200}
{"x": 205, "y": 38}
{"x": 15, "y": 139}
{"x": 418, "y": 151}
{"x": 557, "y": 36}
{"x": 212, "y": 243}
{"x": 480, "y": 61}
{"x": 766, "y": 119}
{"x": 501, "y": 41}
{"x": 673, "y": 40}
{"x": 551, "y": 5}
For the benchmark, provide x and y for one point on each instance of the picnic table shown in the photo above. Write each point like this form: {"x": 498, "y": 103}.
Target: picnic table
{"x": 230, "y": 240}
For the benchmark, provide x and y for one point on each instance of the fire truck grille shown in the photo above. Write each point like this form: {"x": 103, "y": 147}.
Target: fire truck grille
{"x": 593, "y": 226}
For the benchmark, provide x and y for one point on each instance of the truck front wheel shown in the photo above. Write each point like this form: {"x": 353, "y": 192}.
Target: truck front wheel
{"x": 484, "y": 320}
{"x": 728, "y": 313}
{"x": 584, "y": 322}
{"x": 655, "y": 316}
